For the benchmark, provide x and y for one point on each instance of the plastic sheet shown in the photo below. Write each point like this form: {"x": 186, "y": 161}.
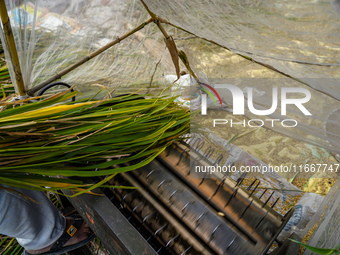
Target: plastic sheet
{"x": 327, "y": 219}
{"x": 297, "y": 39}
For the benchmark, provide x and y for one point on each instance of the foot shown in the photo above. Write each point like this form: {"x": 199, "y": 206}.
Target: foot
{"x": 82, "y": 233}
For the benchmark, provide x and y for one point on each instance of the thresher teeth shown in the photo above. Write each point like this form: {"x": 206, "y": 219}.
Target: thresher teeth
{"x": 176, "y": 213}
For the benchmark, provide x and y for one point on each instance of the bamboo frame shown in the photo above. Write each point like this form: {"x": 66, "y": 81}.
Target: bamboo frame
{"x": 87, "y": 58}
{"x": 12, "y": 48}
{"x": 169, "y": 41}
{"x": 154, "y": 18}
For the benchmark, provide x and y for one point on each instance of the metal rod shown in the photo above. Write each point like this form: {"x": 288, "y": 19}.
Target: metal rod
{"x": 180, "y": 158}
{"x": 275, "y": 202}
{"x": 213, "y": 233}
{"x": 240, "y": 179}
{"x": 232, "y": 241}
{"x": 184, "y": 207}
{"x": 217, "y": 189}
{"x": 264, "y": 192}
{"x": 254, "y": 189}
{"x": 128, "y": 194}
{"x": 160, "y": 229}
{"x": 202, "y": 180}
{"x": 147, "y": 216}
{"x": 171, "y": 241}
{"x": 161, "y": 183}
{"x": 264, "y": 216}
{"x": 186, "y": 250}
{"x": 147, "y": 176}
{"x": 251, "y": 185}
{"x": 87, "y": 58}
{"x": 231, "y": 197}
{"x": 137, "y": 206}
{"x": 286, "y": 218}
{"x": 198, "y": 219}
{"x": 268, "y": 199}
{"x": 12, "y": 49}
{"x": 246, "y": 209}
{"x": 178, "y": 225}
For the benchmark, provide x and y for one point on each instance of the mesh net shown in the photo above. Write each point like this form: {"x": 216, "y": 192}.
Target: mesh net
{"x": 291, "y": 44}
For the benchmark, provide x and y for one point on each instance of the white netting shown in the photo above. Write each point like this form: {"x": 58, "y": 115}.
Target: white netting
{"x": 299, "y": 39}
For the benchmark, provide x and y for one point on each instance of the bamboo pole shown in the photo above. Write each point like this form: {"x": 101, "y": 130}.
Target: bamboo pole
{"x": 170, "y": 43}
{"x": 87, "y": 58}
{"x": 12, "y": 48}
{"x": 155, "y": 19}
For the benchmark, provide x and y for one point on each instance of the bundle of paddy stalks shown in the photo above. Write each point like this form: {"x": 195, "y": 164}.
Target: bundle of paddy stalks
{"x": 42, "y": 141}
{"x": 4, "y": 73}
{"x": 6, "y": 87}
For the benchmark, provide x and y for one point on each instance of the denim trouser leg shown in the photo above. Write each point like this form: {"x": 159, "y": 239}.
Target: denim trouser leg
{"x": 34, "y": 225}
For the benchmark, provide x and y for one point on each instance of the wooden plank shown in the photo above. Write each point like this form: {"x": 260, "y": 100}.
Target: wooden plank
{"x": 115, "y": 232}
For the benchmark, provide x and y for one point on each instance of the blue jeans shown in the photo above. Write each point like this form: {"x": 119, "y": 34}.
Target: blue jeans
{"x": 35, "y": 223}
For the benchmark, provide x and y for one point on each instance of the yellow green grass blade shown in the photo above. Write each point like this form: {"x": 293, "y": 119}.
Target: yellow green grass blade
{"x": 50, "y": 138}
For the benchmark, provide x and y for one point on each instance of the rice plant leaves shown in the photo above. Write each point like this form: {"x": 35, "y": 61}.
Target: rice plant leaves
{"x": 185, "y": 61}
{"x": 317, "y": 250}
{"x": 47, "y": 139}
{"x": 96, "y": 185}
{"x": 39, "y": 113}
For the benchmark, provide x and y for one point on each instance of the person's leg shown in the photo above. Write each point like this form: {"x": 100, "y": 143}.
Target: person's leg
{"x": 35, "y": 223}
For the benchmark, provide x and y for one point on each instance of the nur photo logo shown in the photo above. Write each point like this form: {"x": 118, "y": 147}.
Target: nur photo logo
{"x": 243, "y": 100}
